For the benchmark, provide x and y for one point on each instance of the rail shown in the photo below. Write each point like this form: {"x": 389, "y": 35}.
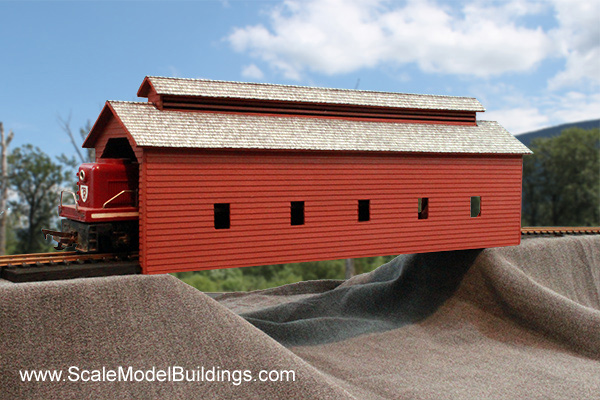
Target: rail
{"x": 64, "y": 258}
{"x": 559, "y": 230}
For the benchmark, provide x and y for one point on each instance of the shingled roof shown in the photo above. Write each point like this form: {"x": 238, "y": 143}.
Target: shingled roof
{"x": 303, "y": 94}
{"x": 151, "y": 127}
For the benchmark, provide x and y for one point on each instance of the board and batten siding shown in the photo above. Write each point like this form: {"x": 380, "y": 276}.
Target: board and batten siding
{"x": 180, "y": 188}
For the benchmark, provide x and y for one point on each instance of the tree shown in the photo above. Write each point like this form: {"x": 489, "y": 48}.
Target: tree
{"x": 36, "y": 180}
{"x": 4, "y": 143}
{"x": 266, "y": 276}
{"x": 561, "y": 180}
{"x": 84, "y": 155}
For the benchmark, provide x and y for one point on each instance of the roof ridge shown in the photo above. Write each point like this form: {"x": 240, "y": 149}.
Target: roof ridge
{"x": 129, "y": 102}
{"x": 311, "y": 87}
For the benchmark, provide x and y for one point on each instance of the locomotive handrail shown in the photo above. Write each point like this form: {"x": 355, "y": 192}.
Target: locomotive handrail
{"x": 74, "y": 198}
{"x": 115, "y": 196}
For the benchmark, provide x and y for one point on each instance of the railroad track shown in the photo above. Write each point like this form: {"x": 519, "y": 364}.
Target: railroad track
{"x": 559, "y": 230}
{"x": 65, "y": 265}
{"x": 66, "y": 258}
{"x": 73, "y": 257}
{"x": 70, "y": 264}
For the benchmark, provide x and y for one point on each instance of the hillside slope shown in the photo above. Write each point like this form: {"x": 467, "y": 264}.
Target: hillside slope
{"x": 499, "y": 323}
{"x": 526, "y": 138}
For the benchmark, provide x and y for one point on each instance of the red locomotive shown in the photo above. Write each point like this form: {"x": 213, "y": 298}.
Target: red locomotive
{"x": 104, "y": 216}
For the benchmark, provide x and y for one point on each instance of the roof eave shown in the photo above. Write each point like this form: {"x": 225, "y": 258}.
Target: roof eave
{"x": 363, "y": 151}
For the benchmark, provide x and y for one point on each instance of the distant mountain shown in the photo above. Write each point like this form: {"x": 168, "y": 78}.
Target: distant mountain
{"x": 556, "y": 130}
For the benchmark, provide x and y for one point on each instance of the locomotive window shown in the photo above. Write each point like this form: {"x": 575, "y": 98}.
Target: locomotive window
{"x": 423, "y": 207}
{"x": 364, "y": 213}
{"x": 221, "y": 216}
{"x": 297, "y": 213}
{"x": 475, "y": 206}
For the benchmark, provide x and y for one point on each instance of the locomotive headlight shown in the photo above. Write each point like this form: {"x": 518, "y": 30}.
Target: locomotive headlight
{"x": 82, "y": 175}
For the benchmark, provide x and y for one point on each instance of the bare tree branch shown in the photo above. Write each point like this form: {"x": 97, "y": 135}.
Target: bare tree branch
{"x": 65, "y": 124}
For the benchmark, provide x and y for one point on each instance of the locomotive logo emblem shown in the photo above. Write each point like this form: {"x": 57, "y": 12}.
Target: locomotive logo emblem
{"x": 84, "y": 192}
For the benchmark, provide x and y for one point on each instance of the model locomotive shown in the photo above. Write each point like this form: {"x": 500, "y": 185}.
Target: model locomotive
{"x": 104, "y": 215}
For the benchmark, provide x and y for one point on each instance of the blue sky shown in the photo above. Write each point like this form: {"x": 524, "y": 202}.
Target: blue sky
{"x": 531, "y": 63}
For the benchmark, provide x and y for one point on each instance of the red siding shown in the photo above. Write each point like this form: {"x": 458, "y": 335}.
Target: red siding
{"x": 114, "y": 129}
{"x": 179, "y": 189}
{"x": 142, "y": 210}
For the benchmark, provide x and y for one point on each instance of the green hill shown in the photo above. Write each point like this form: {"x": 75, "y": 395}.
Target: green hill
{"x": 526, "y": 138}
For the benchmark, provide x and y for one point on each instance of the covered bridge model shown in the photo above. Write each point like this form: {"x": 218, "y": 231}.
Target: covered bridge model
{"x": 239, "y": 174}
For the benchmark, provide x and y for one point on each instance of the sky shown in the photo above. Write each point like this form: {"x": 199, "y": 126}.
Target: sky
{"x": 532, "y": 64}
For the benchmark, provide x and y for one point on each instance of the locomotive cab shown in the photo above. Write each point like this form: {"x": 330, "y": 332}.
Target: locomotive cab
{"x": 106, "y": 190}
{"x": 104, "y": 214}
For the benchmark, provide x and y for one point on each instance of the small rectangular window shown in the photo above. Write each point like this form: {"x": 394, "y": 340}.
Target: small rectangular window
{"x": 364, "y": 212}
{"x": 423, "y": 207}
{"x": 475, "y": 206}
{"x": 297, "y": 213}
{"x": 221, "y": 215}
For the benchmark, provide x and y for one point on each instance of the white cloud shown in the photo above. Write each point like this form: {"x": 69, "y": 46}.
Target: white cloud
{"x": 518, "y": 120}
{"x": 578, "y": 40}
{"x": 335, "y": 36}
{"x": 574, "y": 106}
{"x": 173, "y": 71}
{"x": 530, "y": 114}
{"x": 473, "y": 39}
{"x": 252, "y": 72}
